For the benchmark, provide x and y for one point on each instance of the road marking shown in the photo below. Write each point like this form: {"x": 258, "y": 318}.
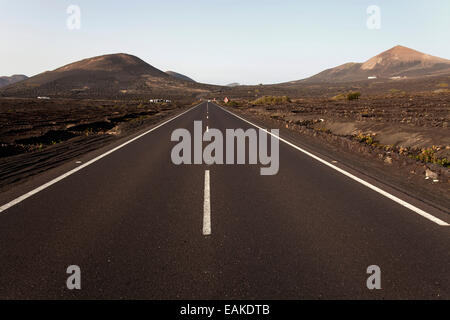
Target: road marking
{"x": 207, "y": 117}
{"x": 351, "y": 176}
{"x": 207, "y": 207}
{"x": 69, "y": 173}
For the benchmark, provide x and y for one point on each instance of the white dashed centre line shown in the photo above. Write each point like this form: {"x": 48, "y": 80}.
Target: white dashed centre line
{"x": 207, "y": 207}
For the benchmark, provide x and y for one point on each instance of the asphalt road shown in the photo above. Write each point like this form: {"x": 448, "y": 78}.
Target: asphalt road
{"x": 134, "y": 223}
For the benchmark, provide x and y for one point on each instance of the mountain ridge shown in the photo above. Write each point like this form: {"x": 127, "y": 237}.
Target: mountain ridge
{"x": 4, "y": 81}
{"x": 119, "y": 75}
{"x": 396, "y": 62}
{"x": 180, "y": 76}
{"x": 110, "y": 75}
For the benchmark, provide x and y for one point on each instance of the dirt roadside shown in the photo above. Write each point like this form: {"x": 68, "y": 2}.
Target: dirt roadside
{"x": 37, "y": 136}
{"x": 427, "y": 182}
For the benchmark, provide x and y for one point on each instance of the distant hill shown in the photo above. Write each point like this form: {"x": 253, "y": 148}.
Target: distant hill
{"x": 4, "y": 81}
{"x": 179, "y": 76}
{"x": 110, "y": 75}
{"x": 398, "y": 61}
{"x": 234, "y": 84}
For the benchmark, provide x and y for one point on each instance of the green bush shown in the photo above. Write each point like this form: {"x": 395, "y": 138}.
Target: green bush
{"x": 272, "y": 100}
{"x": 353, "y": 95}
{"x": 340, "y": 96}
{"x": 367, "y": 139}
{"x": 429, "y": 156}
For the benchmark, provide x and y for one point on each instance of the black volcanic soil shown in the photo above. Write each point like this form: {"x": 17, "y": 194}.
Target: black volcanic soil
{"x": 381, "y": 88}
{"x": 36, "y": 135}
{"x": 399, "y": 138}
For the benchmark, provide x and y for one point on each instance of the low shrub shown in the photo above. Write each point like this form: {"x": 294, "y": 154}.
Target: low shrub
{"x": 340, "y": 96}
{"x": 367, "y": 139}
{"x": 353, "y": 95}
{"x": 428, "y": 155}
{"x": 347, "y": 96}
{"x": 272, "y": 100}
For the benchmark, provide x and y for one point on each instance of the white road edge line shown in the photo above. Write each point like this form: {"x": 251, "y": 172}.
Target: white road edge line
{"x": 207, "y": 207}
{"x": 363, "y": 182}
{"x": 65, "y": 175}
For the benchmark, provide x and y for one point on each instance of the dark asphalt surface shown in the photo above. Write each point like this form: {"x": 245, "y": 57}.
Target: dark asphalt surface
{"x": 133, "y": 223}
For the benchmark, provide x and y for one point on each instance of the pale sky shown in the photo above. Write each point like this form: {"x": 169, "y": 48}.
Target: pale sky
{"x": 218, "y": 41}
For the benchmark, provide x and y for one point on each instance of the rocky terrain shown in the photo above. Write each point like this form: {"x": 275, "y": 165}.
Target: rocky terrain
{"x": 36, "y": 135}
{"x": 408, "y": 134}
